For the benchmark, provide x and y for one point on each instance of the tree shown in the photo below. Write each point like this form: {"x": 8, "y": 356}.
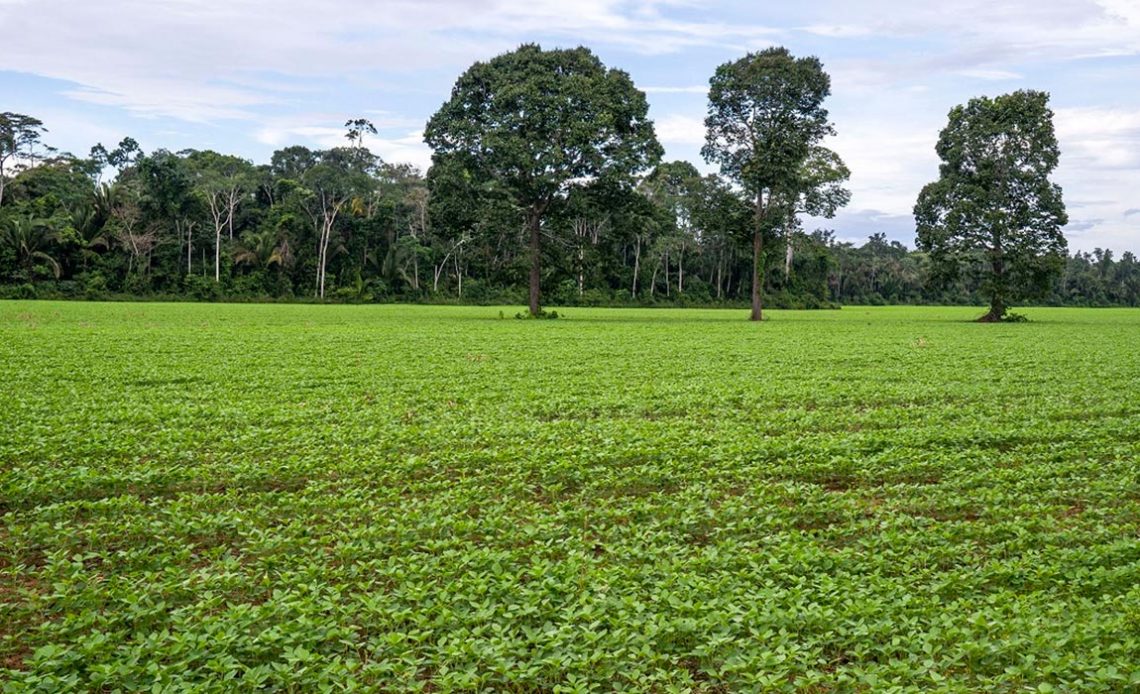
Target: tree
{"x": 993, "y": 208}
{"x": 168, "y": 198}
{"x": 19, "y": 134}
{"x": 765, "y": 118}
{"x": 357, "y": 129}
{"x": 675, "y": 187}
{"x": 135, "y": 234}
{"x": 223, "y": 182}
{"x": 819, "y": 193}
{"x": 29, "y": 238}
{"x": 339, "y": 176}
{"x": 536, "y": 123}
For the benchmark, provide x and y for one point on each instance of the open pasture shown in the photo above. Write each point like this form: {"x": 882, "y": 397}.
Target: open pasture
{"x": 396, "y": 498}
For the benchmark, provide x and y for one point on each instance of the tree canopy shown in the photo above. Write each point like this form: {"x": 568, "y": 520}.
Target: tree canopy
{"x": 535, "y": 122}
{"x": 764, "y": 125}
{"x": 993, "y": 210}
{"x": 546, "y": 171}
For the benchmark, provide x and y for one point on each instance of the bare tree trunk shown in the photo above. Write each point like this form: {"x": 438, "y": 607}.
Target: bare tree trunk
{"x": 215, "y": 203}
{"x": 681, "y": 270}
{"x": 231, "y": 205}
{"x": 581, "y": 269}
{"x": 636, "y": 264}
{"x": 719, "y": 272}
{"x": 757, "y": 255}
{"x": 189, "y": 246}
{"x": 330, "y": 211}
{"x": 217, "y": 253}
{"x": 534, "y": 221}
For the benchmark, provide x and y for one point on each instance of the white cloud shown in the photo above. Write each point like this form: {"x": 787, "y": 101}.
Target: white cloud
{"x": 391, "y": 144}
{"x": 693, "y": 89}
{"x": 677, "y": 129}
{"x": 990, "y": 75}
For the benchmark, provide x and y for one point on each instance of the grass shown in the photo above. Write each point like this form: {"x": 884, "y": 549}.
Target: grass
{"x": 224, "y": 497}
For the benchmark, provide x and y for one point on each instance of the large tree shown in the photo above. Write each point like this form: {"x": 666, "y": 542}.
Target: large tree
{"x": 19, "y": 135}
{"x": 536, "y": 122}
{"x": 993, "y": 209}
{"x": 765, "y": 120}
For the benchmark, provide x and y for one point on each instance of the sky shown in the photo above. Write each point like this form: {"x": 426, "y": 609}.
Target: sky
{"x": 250, "y": 76}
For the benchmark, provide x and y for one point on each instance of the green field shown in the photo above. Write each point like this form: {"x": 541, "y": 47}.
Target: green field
{"x": 226, "y": 497}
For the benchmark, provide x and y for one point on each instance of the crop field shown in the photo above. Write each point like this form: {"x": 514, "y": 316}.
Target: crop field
{"x": 394, "y": 498}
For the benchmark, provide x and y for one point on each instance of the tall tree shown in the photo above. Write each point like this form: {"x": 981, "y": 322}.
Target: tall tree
{"x": 765, "y": 117}
{"x": 537, "y": 122}
{"x": 168, "y": 194}
{"x": 19, "y": 134}
{"x": 223, "y": 182}
{"x": 339, "y": 176}
{"x": 675, "y": 187}
{"x": 993, "y": 209}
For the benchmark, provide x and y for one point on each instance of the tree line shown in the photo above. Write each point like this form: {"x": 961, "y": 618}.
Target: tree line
{"x": 547, "y": 186}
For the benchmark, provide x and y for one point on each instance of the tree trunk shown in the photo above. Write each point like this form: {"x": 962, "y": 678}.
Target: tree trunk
{"x": 636, "y": 265}
{"x": 534, "y": 221}
{"x": 757, "y": 273}
{"x": 997, "y": 298}
{"x": 757, "y": 256}
{"x": 719, "y": 273}
{"x": 681, "y": 270}
{"x": 217, "y": 253}
{"x": 581, "y": 270}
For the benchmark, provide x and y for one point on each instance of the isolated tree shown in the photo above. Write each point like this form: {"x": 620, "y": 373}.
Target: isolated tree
{"x": 19, "y": 134}
{"x": 993, "y": 209}
{"x": 357, "y": 128}
{"x": 537, "y": 122}
{"x": 765, "y": 119}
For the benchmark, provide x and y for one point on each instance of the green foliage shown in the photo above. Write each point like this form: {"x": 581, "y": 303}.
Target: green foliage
{"x": 395, "y": 498}
{"x": 764, "y": 127}
{"x": 342, "y": 224}
{"x": 993, "y": 209}
{"x": 532, "y": 124}
{"x": 541, "y": 315}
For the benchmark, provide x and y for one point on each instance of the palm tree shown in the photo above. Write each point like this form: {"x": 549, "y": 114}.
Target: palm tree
{"x": 89, "y": 219}
{"x": 264, "y": 249}
{"x": 29, "y": 238}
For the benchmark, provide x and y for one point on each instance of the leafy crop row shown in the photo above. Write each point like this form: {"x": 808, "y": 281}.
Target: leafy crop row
{"x": 225, "y": 498}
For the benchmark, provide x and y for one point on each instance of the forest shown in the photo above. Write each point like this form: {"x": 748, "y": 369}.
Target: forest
{"x": 341, "y": 225}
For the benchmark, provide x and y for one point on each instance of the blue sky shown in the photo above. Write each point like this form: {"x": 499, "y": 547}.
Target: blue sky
{"x": 249, "y": 76}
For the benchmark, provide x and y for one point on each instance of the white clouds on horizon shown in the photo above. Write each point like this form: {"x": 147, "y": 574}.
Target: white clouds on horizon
{"x": 254, "y": 69}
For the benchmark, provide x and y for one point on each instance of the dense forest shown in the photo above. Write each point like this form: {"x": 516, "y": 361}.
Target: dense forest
{"x": 342, "y": 225}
